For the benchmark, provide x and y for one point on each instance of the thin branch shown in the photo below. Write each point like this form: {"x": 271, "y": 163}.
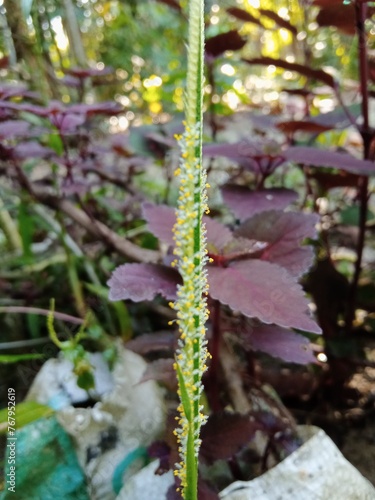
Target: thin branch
{"x": 42, "y": 312}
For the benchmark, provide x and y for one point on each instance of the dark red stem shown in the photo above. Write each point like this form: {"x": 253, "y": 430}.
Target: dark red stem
{"x": 360, "y": 11}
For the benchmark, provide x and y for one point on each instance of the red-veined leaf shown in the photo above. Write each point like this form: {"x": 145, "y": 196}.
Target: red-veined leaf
{"x": 284, "y": 232}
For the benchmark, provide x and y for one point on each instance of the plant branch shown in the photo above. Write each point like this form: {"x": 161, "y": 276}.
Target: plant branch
{"x": 360, "y": 10}
{"x": 39, "y": 311}
{"x": 94, "y": 227}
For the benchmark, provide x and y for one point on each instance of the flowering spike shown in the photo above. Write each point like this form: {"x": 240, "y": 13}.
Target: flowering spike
{"x": 191, "y": 254}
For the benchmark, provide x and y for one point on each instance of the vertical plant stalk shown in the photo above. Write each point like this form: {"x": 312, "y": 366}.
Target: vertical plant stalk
{"x": 191, "y": 253}
{"x": 360, "y": 10}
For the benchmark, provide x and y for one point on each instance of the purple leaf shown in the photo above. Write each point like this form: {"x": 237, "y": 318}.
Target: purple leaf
{"x": 10, "y": 90}
{"x": 25, "y": 150}
{"x": 248, "y": 155}
{"x": 161, "y": 370}
{"x": 281, "y": 343}
{"x": 245, "y": 203}
{"x": 139, "y": 282}
{"x": 161, "y": 219}
{"x": 243, "y": 15}
{"x": 317, "y": 74}
{"x": 280, "y": 21}
{"x": 241, "y": 248}
{"x": 152, "y": 342}
{"x": 83, "y": 73}
{"x": 283, "y": 231}
{"x": 160, "y": 450}
{"x": 217, "y": 45}
{"x": 218, "y": 235}
{"x": 225, "y": 434}
{"x": 13, "y": 128}
{"x": 262, "y": 290}
{"x": 104, "y": 108}
{"x": 308, "y": 126}
{"x": 320, "y": 158}
{"x": 70, "y": 81}
{"x": 340, "y": 16}
{"x": 68, "y": 122}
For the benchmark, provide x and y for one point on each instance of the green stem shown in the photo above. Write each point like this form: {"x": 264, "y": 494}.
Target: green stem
{"x": 9, "y": 228}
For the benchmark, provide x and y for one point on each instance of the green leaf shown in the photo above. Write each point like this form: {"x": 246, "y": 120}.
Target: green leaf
{"x": 34, "y": 325}
{"x": 26, "y": 229}
{"x": 26, "y": 412}
{"x": 86, "y": 381}
{"x": 122, "y": 313}
{"x": 54, "y": 142}
{"x": 349, "y": 216}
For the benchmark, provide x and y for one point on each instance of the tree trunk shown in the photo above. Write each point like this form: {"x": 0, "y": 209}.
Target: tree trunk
{"x": 74, "y": 34}
{"x": 24, "y": 47}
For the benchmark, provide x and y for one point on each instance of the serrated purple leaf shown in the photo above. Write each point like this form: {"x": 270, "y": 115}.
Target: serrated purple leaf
{"x": 139, "y": 282}
{"x": 283, "y": 231}
{"x": 245, "y": 203}
{"x": 320, "y": 158}
{"x": 281, "y": 343}
{"x": 262, "y": 290}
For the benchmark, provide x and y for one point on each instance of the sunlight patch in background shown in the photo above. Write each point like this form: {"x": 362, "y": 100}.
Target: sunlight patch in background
{"x": 61, "y": 39}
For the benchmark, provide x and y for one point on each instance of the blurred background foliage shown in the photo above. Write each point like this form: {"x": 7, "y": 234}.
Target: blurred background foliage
{"x": 143, "y": 41}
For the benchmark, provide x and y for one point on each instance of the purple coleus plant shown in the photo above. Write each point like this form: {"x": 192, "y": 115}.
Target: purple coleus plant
{"x": 254, "y": 270}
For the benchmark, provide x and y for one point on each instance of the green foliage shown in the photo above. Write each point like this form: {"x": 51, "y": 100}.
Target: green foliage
{"x": 27, "y": 412}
